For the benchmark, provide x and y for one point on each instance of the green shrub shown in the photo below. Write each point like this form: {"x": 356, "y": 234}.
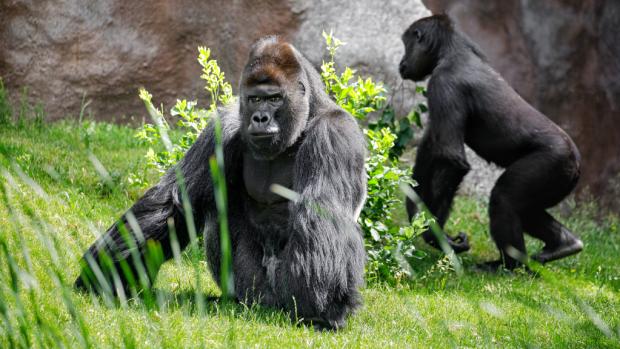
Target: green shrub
{"x": 357, "y": 96}
{"x": 402, "y": 127}
{"x": 191, "y": 119}
{"x": 389, "y": 245}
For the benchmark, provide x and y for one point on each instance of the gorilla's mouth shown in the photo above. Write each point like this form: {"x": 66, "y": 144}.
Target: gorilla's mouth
{"x": 265, "y": 143}
{"x": 264, "y": 138}
{"x": 263, "y": 135}
{"x": 265, "y": 146}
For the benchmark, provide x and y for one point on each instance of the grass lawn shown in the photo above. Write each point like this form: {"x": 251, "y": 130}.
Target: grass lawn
{"x": 53, "y": 204}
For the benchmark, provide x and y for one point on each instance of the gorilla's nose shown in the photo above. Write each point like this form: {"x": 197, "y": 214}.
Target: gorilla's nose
{"x": 260, "y": 119}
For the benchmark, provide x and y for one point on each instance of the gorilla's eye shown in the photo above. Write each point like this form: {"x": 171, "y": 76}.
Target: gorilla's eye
{"x": 274, "y": 99}
{"x": 254, "y": 99}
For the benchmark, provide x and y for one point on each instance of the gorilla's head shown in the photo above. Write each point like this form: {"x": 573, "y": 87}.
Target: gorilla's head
{"x": 423, "y": 41}
{"x": 274, "y": 98}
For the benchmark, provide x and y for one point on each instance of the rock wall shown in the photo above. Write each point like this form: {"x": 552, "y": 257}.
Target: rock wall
{"x": 107, "y": 49}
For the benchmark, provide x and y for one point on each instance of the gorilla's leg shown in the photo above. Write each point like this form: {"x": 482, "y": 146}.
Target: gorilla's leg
{"x": 559, "y": 241}
{"x": 438, "y": 181}
{"x": 252, "y": 266}
{"x": 518, "y": 201}
{"x": 517, "y": 190}
{"x": 506, "y": 228}
{"x": 249, "y": 265}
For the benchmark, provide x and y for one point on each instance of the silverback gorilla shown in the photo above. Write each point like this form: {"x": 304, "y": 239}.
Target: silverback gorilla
{"x": 470, "y": 103}
{"x": 307, "y": 256}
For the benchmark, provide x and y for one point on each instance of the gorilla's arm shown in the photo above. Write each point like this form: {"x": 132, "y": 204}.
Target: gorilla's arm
{"x": 441, "y": 163}
{"x": 322, "y": 265}
{"x": 130, "y": 253}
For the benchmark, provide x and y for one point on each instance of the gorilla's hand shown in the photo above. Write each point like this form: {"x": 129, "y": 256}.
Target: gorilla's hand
{"x": 459, "y": 243}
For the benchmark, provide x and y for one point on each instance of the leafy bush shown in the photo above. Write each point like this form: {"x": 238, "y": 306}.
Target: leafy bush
{"x": 390, "y": 246}
{"x": 191, "y": 119}
{"x": 402, "y": 128}
{"x": 359, "y": 97}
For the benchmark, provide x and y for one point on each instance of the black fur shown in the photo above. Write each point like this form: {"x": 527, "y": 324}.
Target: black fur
{"x": 470, "y": 103}
{"x": 306, "y": 257}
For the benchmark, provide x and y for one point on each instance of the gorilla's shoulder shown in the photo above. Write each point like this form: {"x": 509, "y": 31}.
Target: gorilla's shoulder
{"x": 230, "y": 123}
{"x": 231, "y": 120}
{"x": 339, "y": 128}
{"x": 336, "y": 119}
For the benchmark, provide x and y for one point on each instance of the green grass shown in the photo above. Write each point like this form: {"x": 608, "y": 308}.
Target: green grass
{"x": 54, "y": 204}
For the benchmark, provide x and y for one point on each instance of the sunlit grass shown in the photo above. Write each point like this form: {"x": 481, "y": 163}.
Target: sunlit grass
{"x": 53, "y": 204}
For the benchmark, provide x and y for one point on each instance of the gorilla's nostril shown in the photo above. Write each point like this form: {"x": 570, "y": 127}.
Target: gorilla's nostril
{"x": 264, "y": 119}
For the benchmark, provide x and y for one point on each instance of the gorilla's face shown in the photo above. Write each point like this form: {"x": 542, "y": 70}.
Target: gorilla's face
{"x": 418, "y": 62}
{"x": 273, "y": 118}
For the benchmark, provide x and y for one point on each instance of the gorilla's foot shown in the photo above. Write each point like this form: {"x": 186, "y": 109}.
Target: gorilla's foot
{"x": 491, "y": 266}
{"x": 459, "y": 243}
{"x": 498, "y": 266}
{"x": 570, "y": 245}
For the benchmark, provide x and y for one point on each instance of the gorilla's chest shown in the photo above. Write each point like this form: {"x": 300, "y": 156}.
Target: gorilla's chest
{"x": 265, "y": 208}
{"x": 259, "y": 175}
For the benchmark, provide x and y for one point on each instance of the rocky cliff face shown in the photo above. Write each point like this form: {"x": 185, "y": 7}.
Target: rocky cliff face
{"x": 563, "y": 56}
{"x": 107, "y": 49}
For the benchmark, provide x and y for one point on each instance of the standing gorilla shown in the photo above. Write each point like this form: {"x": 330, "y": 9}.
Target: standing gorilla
{"x": 471, "y": 104}
{"x": 307, "y": 256}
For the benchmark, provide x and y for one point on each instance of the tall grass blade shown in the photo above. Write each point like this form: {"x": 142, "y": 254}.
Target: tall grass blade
{"x": 221, "y": 201}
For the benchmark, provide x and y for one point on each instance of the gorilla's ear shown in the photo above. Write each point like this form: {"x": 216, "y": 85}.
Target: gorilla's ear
{"x": 302, "y": 87}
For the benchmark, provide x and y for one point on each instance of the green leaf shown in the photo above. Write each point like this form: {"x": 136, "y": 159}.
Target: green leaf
{"x": 414, "y": 116}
